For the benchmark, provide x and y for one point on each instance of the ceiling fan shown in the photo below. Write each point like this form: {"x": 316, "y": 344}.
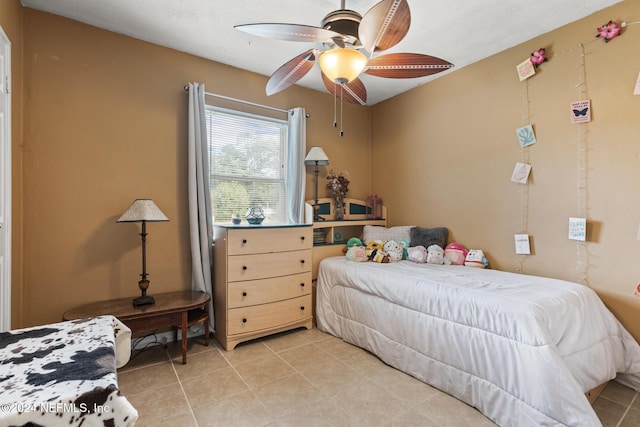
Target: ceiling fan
{"x": 344, "y": 34}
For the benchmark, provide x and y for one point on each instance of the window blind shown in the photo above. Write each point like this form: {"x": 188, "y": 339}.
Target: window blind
{"x": 247, "y": 160}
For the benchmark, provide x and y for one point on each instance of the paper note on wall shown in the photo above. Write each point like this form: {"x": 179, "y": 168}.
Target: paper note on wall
{"x": 522, "y": 244}
{"x": 578, "y": 229}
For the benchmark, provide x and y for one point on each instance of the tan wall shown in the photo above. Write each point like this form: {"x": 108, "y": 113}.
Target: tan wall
{"x": 444, "y": 154}
{"x": 11, "y": 22}
{"x": 105, "y": 123}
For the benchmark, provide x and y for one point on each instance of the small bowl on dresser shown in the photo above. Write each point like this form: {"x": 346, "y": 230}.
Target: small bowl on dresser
{"x": 255, "y": 221}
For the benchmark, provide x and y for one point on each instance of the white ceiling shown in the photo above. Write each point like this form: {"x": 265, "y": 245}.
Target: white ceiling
{"x": 459, "y": 31}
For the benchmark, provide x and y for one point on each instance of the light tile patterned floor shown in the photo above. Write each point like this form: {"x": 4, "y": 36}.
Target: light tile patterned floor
{"x": 303, "y": 378}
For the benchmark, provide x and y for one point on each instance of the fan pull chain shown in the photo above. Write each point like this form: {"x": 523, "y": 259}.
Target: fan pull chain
{"x": 341, "y": 132}
{"x": 335, "y": 121}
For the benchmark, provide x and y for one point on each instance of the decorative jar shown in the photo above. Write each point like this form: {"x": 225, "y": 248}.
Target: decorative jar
{"x": 255, "y": 215}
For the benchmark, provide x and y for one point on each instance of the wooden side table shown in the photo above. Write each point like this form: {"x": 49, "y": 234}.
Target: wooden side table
{"x": 172, "y": 309}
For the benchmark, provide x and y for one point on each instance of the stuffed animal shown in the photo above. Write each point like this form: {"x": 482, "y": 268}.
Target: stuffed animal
{"x": 354, "y": 241}
{"x": 357, "y": 253}
{"x": 476, "y": 258}
{"x": 394, "y": 249}
{"x": 417, "y": 254}
{"x": 454, "y": 254}
{"x": 373, "y": 247}
{"x": 381, "y": 256}
{"x": 405, "y": 250}
{"x": 435, "y": 255}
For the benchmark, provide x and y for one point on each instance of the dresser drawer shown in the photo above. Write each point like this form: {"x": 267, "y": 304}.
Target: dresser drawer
{"x": 265, "y": 316}
{"x": 262, "y": 266}
{"x": 259, "y": 241}
{"x": 254, "y": 292}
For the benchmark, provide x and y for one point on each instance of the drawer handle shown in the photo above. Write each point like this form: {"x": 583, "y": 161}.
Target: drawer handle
{"x": 244, "y": 267}
{"x": 244, "y": 320}
{"x": 302, "y": 238}
{"x": 302, "y": 308}
{"x": 302, "y": 284}
{"x": 244, "y": 241}
{"x": 301, "y": 261}
{"x": 244, "y": 294}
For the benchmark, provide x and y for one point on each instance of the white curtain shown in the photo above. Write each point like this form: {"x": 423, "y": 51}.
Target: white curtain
{"x": 200, "y": 222}
{"x": 296, "y": 179}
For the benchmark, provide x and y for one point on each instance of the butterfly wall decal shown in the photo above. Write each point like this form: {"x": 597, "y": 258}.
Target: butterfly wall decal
{"x": 582, "y": 112}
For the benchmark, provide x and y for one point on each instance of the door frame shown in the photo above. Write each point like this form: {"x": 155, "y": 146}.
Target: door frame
{"x": 5, "y": 280}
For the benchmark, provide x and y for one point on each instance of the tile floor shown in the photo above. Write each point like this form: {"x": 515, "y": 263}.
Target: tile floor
{"x": 303, "y": 378}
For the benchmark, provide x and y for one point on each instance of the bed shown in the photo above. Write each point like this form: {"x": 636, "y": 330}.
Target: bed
{"x": 64, "y": 374}
{"x": 522, "y": 349}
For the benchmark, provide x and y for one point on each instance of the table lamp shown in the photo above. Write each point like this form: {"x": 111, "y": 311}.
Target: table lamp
{"x": 143, "y": 210}
{"x": 316, "y": 157}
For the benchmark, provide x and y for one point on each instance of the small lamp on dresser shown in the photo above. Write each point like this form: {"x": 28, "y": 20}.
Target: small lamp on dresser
{"x": 316, "y": 157}
{"x": 143, "y": 210}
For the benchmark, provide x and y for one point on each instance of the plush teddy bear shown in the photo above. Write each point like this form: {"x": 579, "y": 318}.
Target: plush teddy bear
{"x": 435, "y": 255}
{"x": 454, "y": 254}
{"x": 394, "y": 249}
{"x": 417, "y": 254}
{"x": 476, "y": 258}
{"x": 357, "y": 253}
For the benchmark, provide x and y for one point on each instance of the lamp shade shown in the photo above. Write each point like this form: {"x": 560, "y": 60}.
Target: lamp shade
{"x": 143, "y": 210}
{"x": 342, "y": 65}
{"x": 316, "y": 156}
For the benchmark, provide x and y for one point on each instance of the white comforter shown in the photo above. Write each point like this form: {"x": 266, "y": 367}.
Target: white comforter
{"x": 522, "y": 349}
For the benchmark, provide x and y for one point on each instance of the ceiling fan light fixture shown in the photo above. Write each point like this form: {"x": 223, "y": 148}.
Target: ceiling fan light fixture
{"x": 342, "y": 65}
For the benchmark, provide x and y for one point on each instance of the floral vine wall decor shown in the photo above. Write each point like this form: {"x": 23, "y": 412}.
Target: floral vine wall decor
{"x": 538, "y": 57}
{"x": 609, "y": 31}
{"x": 338, "y": 185}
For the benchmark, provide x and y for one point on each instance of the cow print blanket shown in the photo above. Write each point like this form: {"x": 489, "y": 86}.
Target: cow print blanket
{"x": 64, "y": 374}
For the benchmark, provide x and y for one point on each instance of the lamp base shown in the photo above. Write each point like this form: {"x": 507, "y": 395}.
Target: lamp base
{"x": 143, "y": 300}
{"x": 316, "y": 208}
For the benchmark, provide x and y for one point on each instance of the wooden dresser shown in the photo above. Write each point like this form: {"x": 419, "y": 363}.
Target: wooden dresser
{"x": 262, "y": 281}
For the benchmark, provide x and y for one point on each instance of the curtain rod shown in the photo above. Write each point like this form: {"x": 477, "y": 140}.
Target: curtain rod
{"x": 242, "y": 101}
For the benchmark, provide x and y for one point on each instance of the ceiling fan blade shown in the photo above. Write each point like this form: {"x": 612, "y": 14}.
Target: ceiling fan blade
{"x": 292, "y": 71}
{"x": 353, "y": 92}
{"x": 406, "y": 65}
{"x": 384, "y": 25}
{"x": 290, "y": 32}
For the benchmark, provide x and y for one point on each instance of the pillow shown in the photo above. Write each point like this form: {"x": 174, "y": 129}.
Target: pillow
{"x": 429, "y": 236}
{"x": 376, "y": 232}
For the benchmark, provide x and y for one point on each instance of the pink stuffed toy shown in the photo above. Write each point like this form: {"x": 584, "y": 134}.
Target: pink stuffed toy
{"x": 454, "y": 254}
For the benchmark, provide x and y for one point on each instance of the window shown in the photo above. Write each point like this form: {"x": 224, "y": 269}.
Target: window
{"x": 248, "y": 162}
